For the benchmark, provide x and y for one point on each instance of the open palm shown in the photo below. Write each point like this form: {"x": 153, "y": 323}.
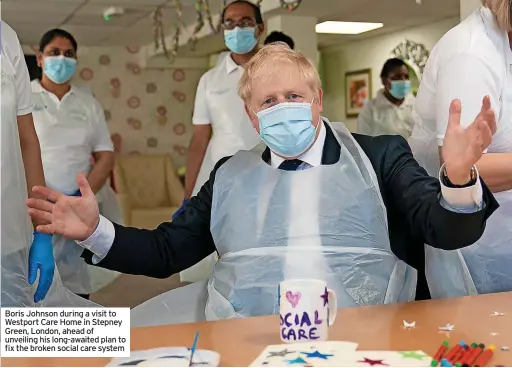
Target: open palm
{"x": 462, "y": 148}
{"x": 72, "y": 217}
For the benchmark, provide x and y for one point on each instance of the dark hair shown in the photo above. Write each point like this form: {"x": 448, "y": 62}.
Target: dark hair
{"x": 55, "y": 33}
{"x": 277, "y": 36}
{"x": 255, "y": 8}
{"x": 390, "y": 65}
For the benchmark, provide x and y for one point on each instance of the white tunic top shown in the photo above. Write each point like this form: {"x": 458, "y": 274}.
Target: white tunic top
{"x": 69, "y": 131}
{"x": 381, "y": 117}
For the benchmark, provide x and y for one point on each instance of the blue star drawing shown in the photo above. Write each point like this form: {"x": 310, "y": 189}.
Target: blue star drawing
{"x": 299, "y": 360}
{"x": 325, "y": 297}
{"x": 317, "y": 354}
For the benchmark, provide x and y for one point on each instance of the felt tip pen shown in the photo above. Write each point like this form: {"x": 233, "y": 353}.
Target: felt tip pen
{"x": 439, "y": 355}
{"x": 471, "y": 348}
{"x": 484, "y": 358}
{"x": 455, "y": 350}
{"x": 457, "y": 358}
{"x": 474, "y": 355}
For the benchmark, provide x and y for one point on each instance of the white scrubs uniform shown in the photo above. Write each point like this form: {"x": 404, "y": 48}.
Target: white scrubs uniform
{"x": 217, "y": 103}
{"x": 470, "y": 61}
{"x": 70, "y": 131}
{"x": 381, "y": 117}
{"x": 16, "y": 225}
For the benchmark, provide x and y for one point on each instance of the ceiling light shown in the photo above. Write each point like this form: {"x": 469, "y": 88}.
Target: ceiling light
{"x": 346, "y": 27}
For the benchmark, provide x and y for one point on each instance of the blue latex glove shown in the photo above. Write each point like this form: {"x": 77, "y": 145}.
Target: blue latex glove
{"x": 180, "y": 210}
{"x": 41, "y": 257}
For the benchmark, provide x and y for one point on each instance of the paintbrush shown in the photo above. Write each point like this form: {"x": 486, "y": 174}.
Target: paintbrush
{"x": 193, "y": 349}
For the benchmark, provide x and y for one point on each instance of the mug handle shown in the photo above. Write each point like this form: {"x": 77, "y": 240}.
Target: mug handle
{"x": 332, "y": 306}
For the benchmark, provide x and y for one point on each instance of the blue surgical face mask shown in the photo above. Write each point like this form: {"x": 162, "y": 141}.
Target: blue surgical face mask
{"x": 400, "y": 88}
{"x": 59, "y": 69}
{"x": 287, "y": 129}
{"x": 240, "y": 40}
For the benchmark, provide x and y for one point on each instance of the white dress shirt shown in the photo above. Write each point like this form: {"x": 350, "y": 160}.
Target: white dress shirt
{"x": 465, "y": 200}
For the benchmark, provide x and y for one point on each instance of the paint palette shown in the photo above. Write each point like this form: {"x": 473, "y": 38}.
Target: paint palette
{"x": 168, "y": 357}
{"x": 337, "y": 354}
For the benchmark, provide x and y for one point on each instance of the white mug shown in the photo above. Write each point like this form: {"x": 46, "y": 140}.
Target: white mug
{"x": 307, "y": 310}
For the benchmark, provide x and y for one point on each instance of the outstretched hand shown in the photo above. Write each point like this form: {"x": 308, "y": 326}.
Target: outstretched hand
{"x": 72, "y": 217}
{"x": 462, "y": 148}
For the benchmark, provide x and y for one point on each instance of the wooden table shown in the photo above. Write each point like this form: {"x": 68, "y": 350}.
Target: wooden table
{"x": 375, "y": 328}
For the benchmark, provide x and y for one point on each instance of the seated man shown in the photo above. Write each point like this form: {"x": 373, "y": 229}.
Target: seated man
{"x": 312, "y": 203}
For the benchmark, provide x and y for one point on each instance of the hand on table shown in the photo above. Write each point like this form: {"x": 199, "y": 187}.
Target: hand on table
{"x": 41, "y": 258}
{"x": 462, "y": 148}
{"x": 72, "y": 217}
{"x": 180, "y": 210}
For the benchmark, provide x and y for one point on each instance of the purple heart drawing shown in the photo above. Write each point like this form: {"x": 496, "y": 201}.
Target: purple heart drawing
{"x": 293, "y": 298}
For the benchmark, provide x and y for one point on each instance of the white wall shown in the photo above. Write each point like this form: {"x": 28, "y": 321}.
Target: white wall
{"x": 369, "y": 53}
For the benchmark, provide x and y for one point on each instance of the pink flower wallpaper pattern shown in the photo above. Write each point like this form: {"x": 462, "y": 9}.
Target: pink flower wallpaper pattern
{"x": 150, "y": 109}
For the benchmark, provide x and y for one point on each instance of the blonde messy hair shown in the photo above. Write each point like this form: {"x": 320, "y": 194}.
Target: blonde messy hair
{"x": 269, "y": 60}
{"x": 501, "y": 10}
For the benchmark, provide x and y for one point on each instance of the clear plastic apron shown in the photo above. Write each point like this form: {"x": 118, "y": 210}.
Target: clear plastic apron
{"x": 16, "y": 225}
{"x": 328, "y": 222}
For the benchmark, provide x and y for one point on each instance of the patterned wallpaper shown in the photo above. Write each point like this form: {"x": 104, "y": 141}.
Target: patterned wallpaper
{"x": 151, "y": 109}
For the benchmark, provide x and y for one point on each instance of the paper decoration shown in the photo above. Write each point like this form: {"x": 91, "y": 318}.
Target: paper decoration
{"x": 337, "y": 354}
{"x": 448, "y": 327}
{"x": 409, "y": 324}
{"x": 168, "y": 357}
{"x": 372, "y": 362}
{"x": 317, "y": 354}
{"x": 413, "y": 355}
{"x": 505, "y": 348}
{"x": 497, "y": 314}
{"x": 494, "y": 333}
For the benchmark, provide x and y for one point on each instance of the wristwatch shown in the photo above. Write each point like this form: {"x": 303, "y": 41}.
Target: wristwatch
{"x": 472, "y": 181}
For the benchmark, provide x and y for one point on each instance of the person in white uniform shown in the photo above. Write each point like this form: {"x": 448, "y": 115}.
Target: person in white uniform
{"x": 311, "y": 202}
{"x": 473, "y": 60}
{"x": 391, "y": 111}
{"x": 221, "y": 127}
{"x": 71, "y": 127}
{"x": 21, "y": 170}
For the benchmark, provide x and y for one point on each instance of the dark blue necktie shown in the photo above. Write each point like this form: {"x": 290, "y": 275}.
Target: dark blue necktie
{"x": 290, "y": 165}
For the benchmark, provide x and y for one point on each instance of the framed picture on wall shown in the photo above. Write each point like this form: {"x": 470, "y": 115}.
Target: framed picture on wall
{"x": 358, "y": 89}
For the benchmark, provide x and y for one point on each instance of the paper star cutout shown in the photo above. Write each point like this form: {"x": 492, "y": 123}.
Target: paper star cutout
{"x": 298, "y": 360}
{"x": 448, "y": 327}
{"x": 325, "y": 297}
{"x": 135, "y": 362}
{"x": 281, "y": 353}
{"x": 497, "y": 314}
{"x": 372, "y": 362}
{"x": 412, "y": 355}
{"x": 409, "y": 324}
{"x": 317, "y": 354}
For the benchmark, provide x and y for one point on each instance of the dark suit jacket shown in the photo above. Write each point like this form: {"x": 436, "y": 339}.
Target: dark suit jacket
{"x": 411, "y": 197}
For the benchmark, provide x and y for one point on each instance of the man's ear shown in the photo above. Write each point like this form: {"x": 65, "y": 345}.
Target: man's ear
{"x": 320, "y": 99}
